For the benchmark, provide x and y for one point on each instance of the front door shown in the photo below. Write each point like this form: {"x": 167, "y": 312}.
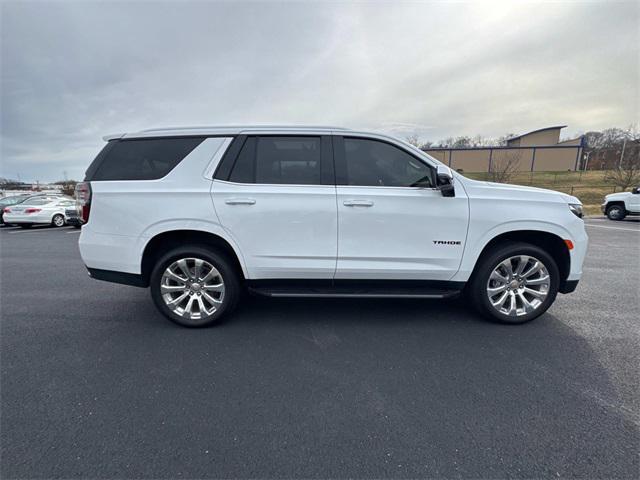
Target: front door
{"x": 278, "y": 203}
{"x": 392, "y": 221}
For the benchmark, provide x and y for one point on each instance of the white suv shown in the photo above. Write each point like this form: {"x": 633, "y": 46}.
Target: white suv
{"x": 200, "y": 214}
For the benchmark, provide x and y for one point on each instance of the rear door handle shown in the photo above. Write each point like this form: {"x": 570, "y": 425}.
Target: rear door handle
{"x": 358, "y": 203}
{"x": 240, "y": 201}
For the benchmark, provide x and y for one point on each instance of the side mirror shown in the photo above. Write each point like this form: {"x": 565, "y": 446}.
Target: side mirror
{"x": 445, "y": 181}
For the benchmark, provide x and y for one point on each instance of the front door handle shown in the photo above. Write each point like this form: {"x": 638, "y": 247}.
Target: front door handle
{"x": 240, "y": 201}
{"x": 358, "y": 203}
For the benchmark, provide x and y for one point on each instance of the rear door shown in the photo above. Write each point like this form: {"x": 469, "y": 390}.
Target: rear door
{"x": 392, "y": 221}
{"x": 277, "y": 200}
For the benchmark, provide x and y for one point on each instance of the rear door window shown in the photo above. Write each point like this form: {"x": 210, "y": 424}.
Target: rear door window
{"x": 294, "y": 160}
{"x": 39, "y": 201}
{"x": 140, "y": 159}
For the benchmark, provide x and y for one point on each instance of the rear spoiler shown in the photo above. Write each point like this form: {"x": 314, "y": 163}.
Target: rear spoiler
{"x": 113, "y": 136}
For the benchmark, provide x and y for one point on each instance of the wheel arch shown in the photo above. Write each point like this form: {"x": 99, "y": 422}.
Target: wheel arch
{"x": 619, "y": 203}
{"x": 170, "y": 239}
{"x": 551, "y": 243}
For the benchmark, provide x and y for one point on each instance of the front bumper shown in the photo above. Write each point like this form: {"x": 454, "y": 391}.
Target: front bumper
{"x": 603, "y": 207}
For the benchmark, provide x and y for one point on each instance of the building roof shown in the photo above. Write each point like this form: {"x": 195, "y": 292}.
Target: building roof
{"x": 558, "y": 127}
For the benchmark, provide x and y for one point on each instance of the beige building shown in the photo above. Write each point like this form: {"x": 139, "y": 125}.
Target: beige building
{"x": 536, "y": 151}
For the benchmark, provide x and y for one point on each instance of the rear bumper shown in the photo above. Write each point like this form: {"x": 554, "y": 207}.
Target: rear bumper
{"x": 117, "y": 253}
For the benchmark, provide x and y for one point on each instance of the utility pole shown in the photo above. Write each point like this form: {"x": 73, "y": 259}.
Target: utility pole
{"x": 586, "y": 163}
{"x": 624, "y": 144}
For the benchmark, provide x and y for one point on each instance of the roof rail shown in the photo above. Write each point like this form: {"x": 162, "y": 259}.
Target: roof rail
{"x": 245, "y": 127}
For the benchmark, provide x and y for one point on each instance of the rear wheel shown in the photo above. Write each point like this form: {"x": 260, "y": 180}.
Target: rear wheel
{"x": 616, "y": 212}
{"x": 194, "y": 286}
{"x": 514, "y": 283}
{"x": 57, "y": 220}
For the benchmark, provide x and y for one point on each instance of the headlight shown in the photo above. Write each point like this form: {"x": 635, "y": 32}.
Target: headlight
{"x": 576, "y": 209}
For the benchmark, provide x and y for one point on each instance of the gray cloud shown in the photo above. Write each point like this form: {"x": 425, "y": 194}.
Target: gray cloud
{"x": 72, "y": 72}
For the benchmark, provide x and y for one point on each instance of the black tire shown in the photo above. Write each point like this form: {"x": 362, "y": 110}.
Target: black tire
{"x": 616, "y": 212}
{"x": 58, "y": 220}
{"x": 230, "y": 277}
{"x": 26, "y": 225}
{"x": 477, "y": 287}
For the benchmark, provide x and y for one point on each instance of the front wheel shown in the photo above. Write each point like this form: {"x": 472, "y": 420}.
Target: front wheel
{"x": 616, "y": 212}
{"x": 57, "y": 220}
{"x": 514, "y": 283}
{"x": 194, "y": 286}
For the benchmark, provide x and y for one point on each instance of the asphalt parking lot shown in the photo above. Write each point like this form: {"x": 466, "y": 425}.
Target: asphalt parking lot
{"x": 96, "y": 384}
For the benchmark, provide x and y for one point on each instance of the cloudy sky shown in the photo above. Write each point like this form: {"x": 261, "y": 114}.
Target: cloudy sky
{"x": 75, "y": 71}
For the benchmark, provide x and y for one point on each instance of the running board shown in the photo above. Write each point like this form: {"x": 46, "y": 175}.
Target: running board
{"x": 364, "y": 289}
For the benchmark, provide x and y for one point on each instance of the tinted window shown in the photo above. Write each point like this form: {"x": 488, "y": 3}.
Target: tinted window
{"x": 145, "y": 159}
{"x": 244, "y": 171}
{"x": 279, "y": 160}
{"x": 374, "y": 163}
{"x": 39, "y": 201}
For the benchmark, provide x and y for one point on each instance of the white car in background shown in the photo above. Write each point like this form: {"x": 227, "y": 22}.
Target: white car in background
{"x": 616, "y": 206}
{"x": 39, "y": 211}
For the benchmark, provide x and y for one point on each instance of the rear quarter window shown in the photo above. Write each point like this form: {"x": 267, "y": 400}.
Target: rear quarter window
{"x": 140, "y": 159}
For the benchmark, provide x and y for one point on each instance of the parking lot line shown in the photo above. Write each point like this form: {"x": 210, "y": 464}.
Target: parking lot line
{"x": 35, "y": 230}
{"x": 613, "y": 228}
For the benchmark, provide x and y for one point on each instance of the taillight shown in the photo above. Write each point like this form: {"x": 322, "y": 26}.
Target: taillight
{"x": 32, "y": 210}
{"x": 83, "y": 200}
{"x": 7, "y": 210}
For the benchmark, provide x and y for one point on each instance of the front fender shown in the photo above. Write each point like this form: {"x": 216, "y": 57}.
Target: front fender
{"x": 478, "y": 241}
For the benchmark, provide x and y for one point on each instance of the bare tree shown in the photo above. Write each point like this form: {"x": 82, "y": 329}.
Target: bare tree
{"x": 627, "y": 173}
{"x": 413, "y": 140}
{"x": 505, "y": 166}
{"x": 68, "y": 186}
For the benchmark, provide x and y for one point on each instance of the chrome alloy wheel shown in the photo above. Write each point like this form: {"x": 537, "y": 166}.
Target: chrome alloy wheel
{"x": 518, "y": 285}
{"x": 192, "y": 288}
{"x": 58, "y": 220}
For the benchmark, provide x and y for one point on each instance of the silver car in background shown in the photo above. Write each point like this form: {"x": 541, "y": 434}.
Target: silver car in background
{"x": 40, "y": 210}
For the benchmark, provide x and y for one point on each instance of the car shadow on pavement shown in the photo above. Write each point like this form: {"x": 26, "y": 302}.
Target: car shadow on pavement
{"x": 429, "y": 376}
